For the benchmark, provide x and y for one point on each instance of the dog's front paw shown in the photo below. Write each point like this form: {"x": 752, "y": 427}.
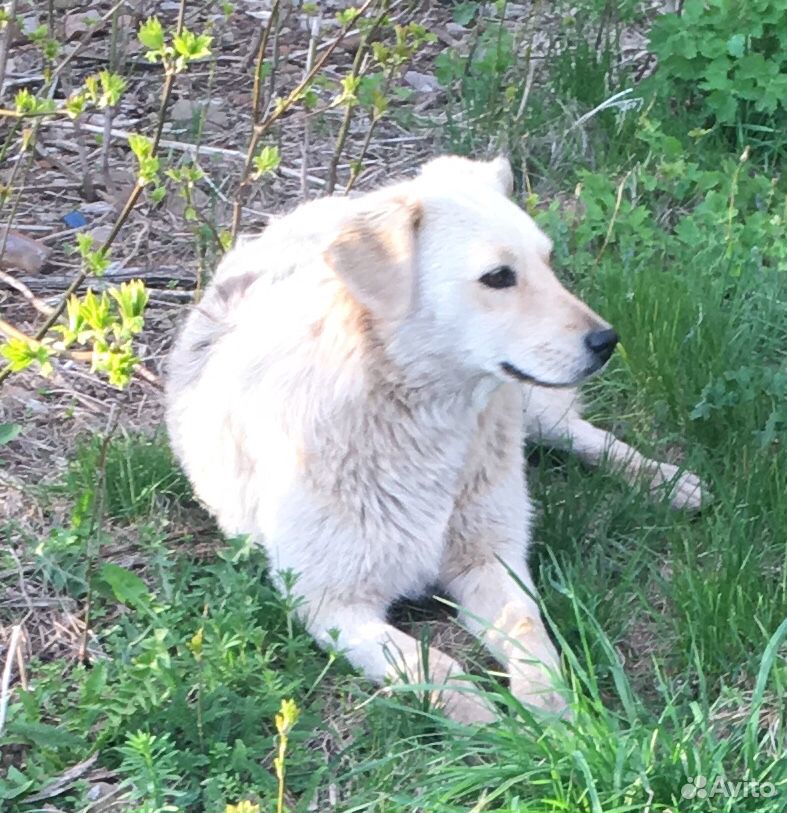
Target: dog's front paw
{"x": 542, "y": 690}
{"x": 686, "y": 491}
{"x": 466, "y": 707}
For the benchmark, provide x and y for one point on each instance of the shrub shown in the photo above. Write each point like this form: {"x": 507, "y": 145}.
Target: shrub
{"x": 730, "y": 65}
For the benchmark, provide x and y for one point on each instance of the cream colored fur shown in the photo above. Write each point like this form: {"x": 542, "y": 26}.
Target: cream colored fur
{"x": 338, "y": 395}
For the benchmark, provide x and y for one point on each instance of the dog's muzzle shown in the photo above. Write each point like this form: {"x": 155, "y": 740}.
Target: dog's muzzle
{"x": 601, "y": 344}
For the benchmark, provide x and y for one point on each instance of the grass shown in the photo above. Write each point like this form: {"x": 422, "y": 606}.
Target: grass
{"x": 672, "y": 627}
{"x": 140, "y": 472}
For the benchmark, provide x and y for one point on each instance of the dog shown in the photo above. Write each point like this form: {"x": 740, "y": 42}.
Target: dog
{"x": 350, "y": 393}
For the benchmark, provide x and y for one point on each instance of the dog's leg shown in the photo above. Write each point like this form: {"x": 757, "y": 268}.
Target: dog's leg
{"x": 386, "y": 654}
{"x": 495, "y": 608}
{"x": 553, "y": 417}
{"x": 594, "y": 445}
{"x": 490, "y": 525}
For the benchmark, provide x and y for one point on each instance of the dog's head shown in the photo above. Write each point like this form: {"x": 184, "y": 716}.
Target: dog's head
{"x": 449, "y": 255}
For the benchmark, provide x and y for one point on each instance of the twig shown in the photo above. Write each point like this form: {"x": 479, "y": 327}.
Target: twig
{"x": 618, "y": 201}
{"x": 356, "y": 167}
{"x": 20, "y": 658}
{"x": 65, "y": 781}
{"x": 198, "y": 149}
{"x": 96, "y": 522}
{"x": 281, "y": 107}
{"x": 531, "y": 70}
{"x": 105, "y": 143}
{"x": 20, "y": 571}
{"x": 87, "y": 186}
{"x": 344, "y": 128}
{"x": 5, "y": 681}
{"x": 256, "y": 94}
{"x": 63, "y": 167}
{"x": 277, "y": 24}
{"x": 169, "y": 80}
{"x": 148, "y": 375}
{"x": 5, "y": 45}
{"x": 83, "y": 42}
{"x": 38, "y": 304}
{"x": 12, "y": 178}
{"x": 15, "y": 333}
{"x": 314, "y": 32}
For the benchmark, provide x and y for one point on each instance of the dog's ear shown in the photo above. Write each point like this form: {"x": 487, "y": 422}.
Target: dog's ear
{"x": 501, "y": 174}
{"x": 374, "y": 254}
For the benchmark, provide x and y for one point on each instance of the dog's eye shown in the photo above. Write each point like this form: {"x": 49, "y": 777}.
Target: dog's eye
{"x": 503, "y": 277}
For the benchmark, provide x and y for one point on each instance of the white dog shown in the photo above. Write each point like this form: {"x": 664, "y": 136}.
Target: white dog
{"x": 350, "y": 393}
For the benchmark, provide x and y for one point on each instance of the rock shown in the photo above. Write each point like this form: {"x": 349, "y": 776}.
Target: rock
{"x": 182, "y": 110}
{"x": 422, "y": 82}
{"x": 24, "y": 253}
{"x": 100, "y": 234}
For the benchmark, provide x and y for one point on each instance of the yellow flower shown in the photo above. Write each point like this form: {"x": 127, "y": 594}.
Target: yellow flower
{"x": 287, "y": 717}
{"x": 242, "y": 807}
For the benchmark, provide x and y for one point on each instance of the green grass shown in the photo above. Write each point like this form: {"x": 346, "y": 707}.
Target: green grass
{"x": 141, "y": 476}
{"x": 672, "y": 627}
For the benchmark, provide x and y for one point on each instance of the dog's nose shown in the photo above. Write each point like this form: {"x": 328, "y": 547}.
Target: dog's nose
{"x": 601, "y": 342}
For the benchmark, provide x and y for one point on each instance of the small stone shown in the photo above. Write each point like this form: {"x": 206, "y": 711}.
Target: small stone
{"x": 100, "y": 234}
{"x": 422, "y": 82}
{"x": 182, "y": 110}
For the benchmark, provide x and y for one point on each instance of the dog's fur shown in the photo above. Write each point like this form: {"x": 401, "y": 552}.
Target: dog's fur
{"x": 339, "y": 396}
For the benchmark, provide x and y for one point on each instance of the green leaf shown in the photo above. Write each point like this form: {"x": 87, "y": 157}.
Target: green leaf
{"x": 140, "y": 145}
{"x": 266, "y": 161}
{"x": 21, "y": 353}
{"x": 43, "y": 735}
{"x": 95, "y": 310}
{"x": 464, "y": 13}
{"x": 74, "y": 329}
{"x": 348, "y": 96}
{"x": 95, "y": 683}
{"x": 717, "y": 75}
{"x": 756, "y": 67}
{"x": 131, "y": 298}
{"x": 736, "y": 45}
{"x": 158, "y": 194}
{"x": 75, "y": 105}
{"x": 192, "y": 46}
{"x": 84, "y": 244}
{"x": 8, "y": 431}
{"x": 112, "y": 87}
{"x": 96, "y": 260}
{"x": 151, "y": 34}
{"x": 118, "y": 364}
{"x": 347, "y": 16}
{"x": 15, "y": 783}
{"x": 26, "y": 103}
{"x": 125, "y": 585}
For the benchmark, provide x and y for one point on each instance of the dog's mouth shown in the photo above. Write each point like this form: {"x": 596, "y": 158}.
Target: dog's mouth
{"x": 521, "y": 375}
